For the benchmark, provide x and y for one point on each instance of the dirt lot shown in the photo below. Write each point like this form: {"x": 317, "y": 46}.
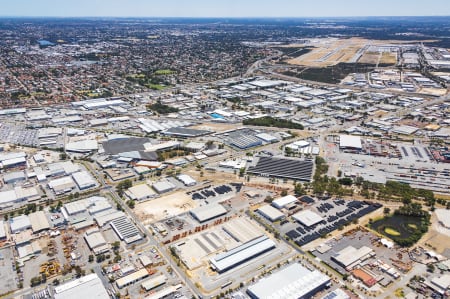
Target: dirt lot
{"x": 164, "y": 206}
{"x": 216, "y": 127}
{"x": 438, "y": 237}
{"x": 370, "y": 58}
{"x": 388, "y": 58}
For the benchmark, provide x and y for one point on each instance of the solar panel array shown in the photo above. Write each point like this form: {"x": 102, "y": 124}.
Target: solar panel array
{"x": 124, "y": 228}
{"x": 283, "y": 168}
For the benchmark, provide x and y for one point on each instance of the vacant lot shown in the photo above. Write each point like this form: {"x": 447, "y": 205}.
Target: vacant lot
{"x": 164, "y": 207}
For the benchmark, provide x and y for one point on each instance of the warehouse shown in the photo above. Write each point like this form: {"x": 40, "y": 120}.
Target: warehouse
{"x": 294, "y": 281}
{"x": 287, "y": 168}
{"x": 208, "y": 212}
{"x": 20, "y": 223}
{"x": 349, "y": 142}
{"x": 84, "y": 180}
{"x": 39, "y": 221}
{"x": 140, "y": 192}
{"x": 270, "y": 213}
{"x": 440, "y": 284}
{"x": 186, "y": 180}
{"x": 154, "y": 282}
{"x": 8, "y": 198}
{"x": 61, "y": 185}
{"x": 163, "y": 187}
{"x": 404, "y": 130}
{"x": 102, "y": 220}
{"x": 267, "y": 138}
{"x": 241, "y": 254}
{"x": 164, "y": 293}
{"x": 2, "y": 230}
{"x": 132, "y": 278}
{"x": 100, "y": 207}
{"x": 83, "y": 146}
{"x": 184, "y": 132}
{"x": 284, "y": 201}
{"x": 350, "y": 257}
{"x": 126, "y": 230}
{"x": 307, "y": 218}
{"x": 96, "y": 241}
{"x": 14, "y": 177}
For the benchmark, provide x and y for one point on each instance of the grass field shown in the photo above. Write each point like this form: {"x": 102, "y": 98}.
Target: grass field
{"x": 388, "y": 58}
{"x": 391, "y": 231}
{"x": 163, "y": 72}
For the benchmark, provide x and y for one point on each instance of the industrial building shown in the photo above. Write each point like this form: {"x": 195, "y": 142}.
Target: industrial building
{"x": 140, "y": 192}
{"x": 186, "y": 180}
{"x": 349, "y": 142}
{"x": 84, "y": 180}
{"x": 163, "y": 187}
{"x": 440, "y": 284}
{"x": 14, "y": 177}
{"x": 185, "y": 133}
{"x": 294, "y": 281}
{"x": 15, "y": 159}
{"x": 104, "y": 219}
{"x": 2, "y": 230}
{"x": 350, "y": 257}
{"x": 241, "y": 254}
{"x": 96, "y": 241}
{"x": 336, "y": 294}
{"x": 307, "y": 218}
{"x": 208, "y": 212}
{"x": 132, "y": 278}
{"x": 19, "y": 194}
{"x": 19, "y": 223}
{"x": 39, "y": 221}
{"x": 93, "y": 204}
{"x": 282, "y": 202}
{"x": 288, "y": 168}
{"x": 164, "y": 292}
{"x": 154, "y": 282}
{"x": 126, "y": 230}
{"x": 270, "y": 213}
{"x": 62, "y": 185}
{"x": 83, "y": 146}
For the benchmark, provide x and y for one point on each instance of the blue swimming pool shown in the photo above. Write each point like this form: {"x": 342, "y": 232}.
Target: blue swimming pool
{"x": 215, "y": 115}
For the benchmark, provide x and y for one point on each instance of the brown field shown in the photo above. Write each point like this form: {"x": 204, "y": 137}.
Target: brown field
{"x": 388, "y": 58}
{"x": 369, "y": 58}
{"x": 164, "y": 207}
{"x": 437, "y": 237}
{"x": 216, "y": 127}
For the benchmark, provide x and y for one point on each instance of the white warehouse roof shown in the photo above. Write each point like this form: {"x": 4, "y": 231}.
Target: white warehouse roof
{"x": 348, "y": 141}
{"x": 89, "y": 286}
{"x": 281, "y": 202}
{"x": 208, "y": 212}
{"x": 270, "y": 212}
{"x": 294, "y": 281}
{"x": 84, "y": 180}
{"x": 307, "y": 217}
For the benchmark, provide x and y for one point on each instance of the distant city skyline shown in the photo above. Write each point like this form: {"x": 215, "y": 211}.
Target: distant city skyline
{"x": 228, "y": 8}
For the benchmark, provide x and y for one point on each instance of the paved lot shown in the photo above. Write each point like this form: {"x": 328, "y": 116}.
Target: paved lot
{"x": 8, "y": 276}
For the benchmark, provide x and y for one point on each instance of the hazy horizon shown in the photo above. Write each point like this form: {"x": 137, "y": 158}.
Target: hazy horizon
{"x": 225, "y": 9}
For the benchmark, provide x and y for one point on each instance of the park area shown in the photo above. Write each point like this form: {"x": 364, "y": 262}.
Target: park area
{"x": 402, "y": 229}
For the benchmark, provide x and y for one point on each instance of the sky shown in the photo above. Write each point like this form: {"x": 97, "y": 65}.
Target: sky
{"x": 223, "y": 8}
